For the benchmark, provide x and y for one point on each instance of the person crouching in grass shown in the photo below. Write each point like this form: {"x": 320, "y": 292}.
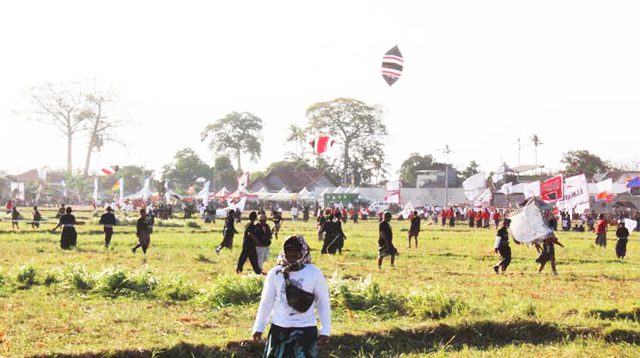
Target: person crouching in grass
{"x": 290, "y": 292}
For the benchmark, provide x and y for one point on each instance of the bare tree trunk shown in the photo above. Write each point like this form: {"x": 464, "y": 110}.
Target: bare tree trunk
{"x": 238, "y": 157}
{"x": 69, "y": 146}
{"x": 87, "y": 160}
{"x": 346, "y": 161}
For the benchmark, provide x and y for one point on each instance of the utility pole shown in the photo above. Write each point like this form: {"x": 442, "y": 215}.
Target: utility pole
{"x": 446, "y": 151}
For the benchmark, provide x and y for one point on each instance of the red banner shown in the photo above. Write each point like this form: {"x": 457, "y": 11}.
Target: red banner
{"x": 551, "y": 189}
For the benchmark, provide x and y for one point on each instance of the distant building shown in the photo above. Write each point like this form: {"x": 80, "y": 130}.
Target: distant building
{"x": 435, "y": 178}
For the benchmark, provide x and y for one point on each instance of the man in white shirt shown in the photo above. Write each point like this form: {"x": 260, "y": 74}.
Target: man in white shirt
{"x": 290, "y": 292}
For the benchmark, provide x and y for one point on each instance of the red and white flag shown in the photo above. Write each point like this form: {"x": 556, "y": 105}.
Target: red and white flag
{"x": 243, "y": 180}
{"x": 551, "y": 189}
{"x": 110, "y": 169}
{"x": 393, "y": 198}
{"x": 322, "y": 144}
{"x": 605, "y": 191}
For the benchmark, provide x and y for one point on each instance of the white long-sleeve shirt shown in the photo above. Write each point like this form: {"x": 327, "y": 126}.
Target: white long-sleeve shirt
{"x": 274, "y": 300}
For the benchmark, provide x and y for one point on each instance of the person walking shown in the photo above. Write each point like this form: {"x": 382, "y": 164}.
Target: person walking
{"x": 249, "y": 246}
{"x": 502, "y": 247}
{"x": 385, "y": 241}
{"x": 264, "y": 240}
{"x": 293, "y": 292}
{"x": 108, "y": 221}
{"x": 143, "y": 232}
{"x": 69, "y": 236}
{"x": 622, "y": 233}
{"x": 228, "y": 232}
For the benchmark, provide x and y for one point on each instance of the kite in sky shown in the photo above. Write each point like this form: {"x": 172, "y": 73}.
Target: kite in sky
{"x": 392, "y": 64}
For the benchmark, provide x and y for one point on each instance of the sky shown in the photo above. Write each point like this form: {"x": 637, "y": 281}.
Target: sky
{"x": 478, "y": 75}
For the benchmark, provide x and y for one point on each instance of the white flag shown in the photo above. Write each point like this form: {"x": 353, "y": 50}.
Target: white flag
{"x": 575, "y": 194}
{"x": 393, "y": 185}
{"x": 630, "y": 224}
{"x": 484, "y": 199}
{"x": 95, "y": 190}
{"x": 474, "y": 186}
{"x": 532, "y": 189}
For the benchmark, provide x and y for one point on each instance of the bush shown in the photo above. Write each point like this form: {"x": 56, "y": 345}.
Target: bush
{"x": 191, "y": 224}
{"x": 432, "y": 304}
{"x": 52, "y": 277}
{"x": 2, "y": 279}
{"x": 228, "y": 291}
{"x": 80, "y": 278}
{"x": 26, "y": 276}
{"x": 169, "y": 223}
{"x": 177, "y": 290}
{"x": 364, "y": 295}
{"x": 115, "y": 281}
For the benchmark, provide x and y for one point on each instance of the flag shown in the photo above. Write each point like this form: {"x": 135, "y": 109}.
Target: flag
{"x": 532, "y": 189}
{"x": 576, "y": 193}
{"x": 322, "y": 144}
{"x": 116, "y": 186}
{"x": 392, "y": 65}
{"x": 243, "y": 180}
{"x": 121, "y": 187}
{"x": 393, "y": 198}
{"x": 506, "y": 188}
{"x": 204, "y": 193}
{"x": 500, "y": 172}
{"x": 95, "y": 190}
{"x": 484, "y": 199}
{"x": 393, "y": 185}
{"x": 605, "y": 191}
{"x": 630, "y": 224}
{"x": 633, "y": 183}
{"x": 551, "y": 189}
{"x": 474, "y": 186}
{"x": 110, "y": 169}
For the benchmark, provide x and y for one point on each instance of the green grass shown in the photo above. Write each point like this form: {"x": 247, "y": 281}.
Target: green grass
{"x": 183, "y": 300}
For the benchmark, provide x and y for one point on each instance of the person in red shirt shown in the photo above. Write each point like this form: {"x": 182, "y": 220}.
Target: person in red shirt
{"x": 471, "y": 215}
{"x": 601, "y": 231}
{"x": 443, "y": 214}
{"x": 496, "y": 218}
{"x": 486, "y": 217}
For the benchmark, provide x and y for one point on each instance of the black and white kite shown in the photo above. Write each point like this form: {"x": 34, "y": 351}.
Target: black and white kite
{"x": 392, "y": 64}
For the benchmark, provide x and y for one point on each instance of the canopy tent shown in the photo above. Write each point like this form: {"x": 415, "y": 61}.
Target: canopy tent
{"x": 242, "y": 193}
{"x": 262, "y": 190}
{"x": 306, "y": 195}
{"x": 338, "y": 190}
{"x": 222, "y": 193}
{"x": 283, "y": 191}
{"x": 143, "y": 194}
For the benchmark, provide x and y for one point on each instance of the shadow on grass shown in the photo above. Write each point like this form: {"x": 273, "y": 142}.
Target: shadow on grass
{"x": 615, "y": 314}
{"x": 479, "y": 335}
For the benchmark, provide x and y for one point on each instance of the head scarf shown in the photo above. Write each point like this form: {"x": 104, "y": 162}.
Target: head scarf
{"x": 298, "y": 264}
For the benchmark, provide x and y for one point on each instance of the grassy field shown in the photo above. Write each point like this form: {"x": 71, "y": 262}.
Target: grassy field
{"x": 443, "y": 298}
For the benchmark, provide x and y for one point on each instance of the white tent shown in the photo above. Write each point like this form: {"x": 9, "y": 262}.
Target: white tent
{"x": 338, "y": 190}
{"x": 143, "y": 194}
{"x": 284, "y": 191}
{"x": 222, "y": 193}
{"x": 262, "y": 190}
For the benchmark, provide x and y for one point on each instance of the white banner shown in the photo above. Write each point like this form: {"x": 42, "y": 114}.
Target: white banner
{"x": 474, "y": 186}
{"x": 630, "y": 224}
{"x": 576, "y": 193}
{"x": 532, "y": 189}
{"x": 95, "y": 190}
{"x": 484, "y": 199}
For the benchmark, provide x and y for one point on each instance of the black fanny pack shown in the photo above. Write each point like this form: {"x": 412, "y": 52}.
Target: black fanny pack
{"x": 299, "y": 299}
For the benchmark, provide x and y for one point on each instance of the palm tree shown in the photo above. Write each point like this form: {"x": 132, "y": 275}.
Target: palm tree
{"x": 536, "y": 142}
{"x": 297, "y": 135}
{"x": 380, "y": 167}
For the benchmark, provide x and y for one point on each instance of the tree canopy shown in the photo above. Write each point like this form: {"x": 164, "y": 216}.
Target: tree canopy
{"x": 236, "y": 133}
{"x": 185, "y": 169}
{"x": 358, "y": 130}
{"x": 416, "y": 162}
{"x": 582, "y": 161}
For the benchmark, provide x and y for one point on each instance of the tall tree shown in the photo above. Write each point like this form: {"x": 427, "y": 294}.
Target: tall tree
{"x": 235, "y": 134}
{"x": 582, "y": 161}
{"x": 59, "y": 105}
{"x": 185, "y": 169}
{"x": 98, "y": 124}
{"x": 358, "y": 128}
{"x": 470, "y": 170}
{"x": 298, "y": 136}
{"x": 225, "y": 175}
{"x": 536, "y": 143}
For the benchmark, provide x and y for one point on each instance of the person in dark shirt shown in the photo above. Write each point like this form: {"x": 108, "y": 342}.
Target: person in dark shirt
{"x": 333, "y": 235}
{"x": 502, "y": 247}
{"x": 228, "y": 232}
{"x": 548, "y": 253}
{"x": 37, "y": 217}
{"x": 385, "y": 241}
{"x": 251, "y": 233}
{"x": 622, "y": 233}
{"x": 414, "y": 229}
{"x": 264, "y": 240}
{"x": 69, "y": 236}
{"x": 15, "y": 216}
{"x": 142, "y": 232}
{"x": 277, "y": 222}
{"x": 108, "y": 221}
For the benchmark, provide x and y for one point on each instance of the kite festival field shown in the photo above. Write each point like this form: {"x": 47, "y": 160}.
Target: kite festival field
{"x": 185, "y": 301}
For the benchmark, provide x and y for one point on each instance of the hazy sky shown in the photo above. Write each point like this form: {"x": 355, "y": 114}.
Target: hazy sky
{"x": 478, "y": 74}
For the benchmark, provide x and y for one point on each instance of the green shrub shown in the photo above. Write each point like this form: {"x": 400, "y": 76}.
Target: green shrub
{"x": 432, "y": 304}
{"x": 364, "y": 295}
{"x": 26, "y": 276}
{"x": 80, "y": 278}
{"x": 52, "y": 277}
{"x": 169, "y": 223}
{"x": 115, "y": 281}
{"x": 191, "y": 224}
{"x": 178, "y": 290}
{"x": 228, "y": 291}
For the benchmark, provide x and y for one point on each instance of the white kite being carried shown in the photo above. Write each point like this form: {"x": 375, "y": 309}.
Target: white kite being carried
{"x": 528, "y": 225}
